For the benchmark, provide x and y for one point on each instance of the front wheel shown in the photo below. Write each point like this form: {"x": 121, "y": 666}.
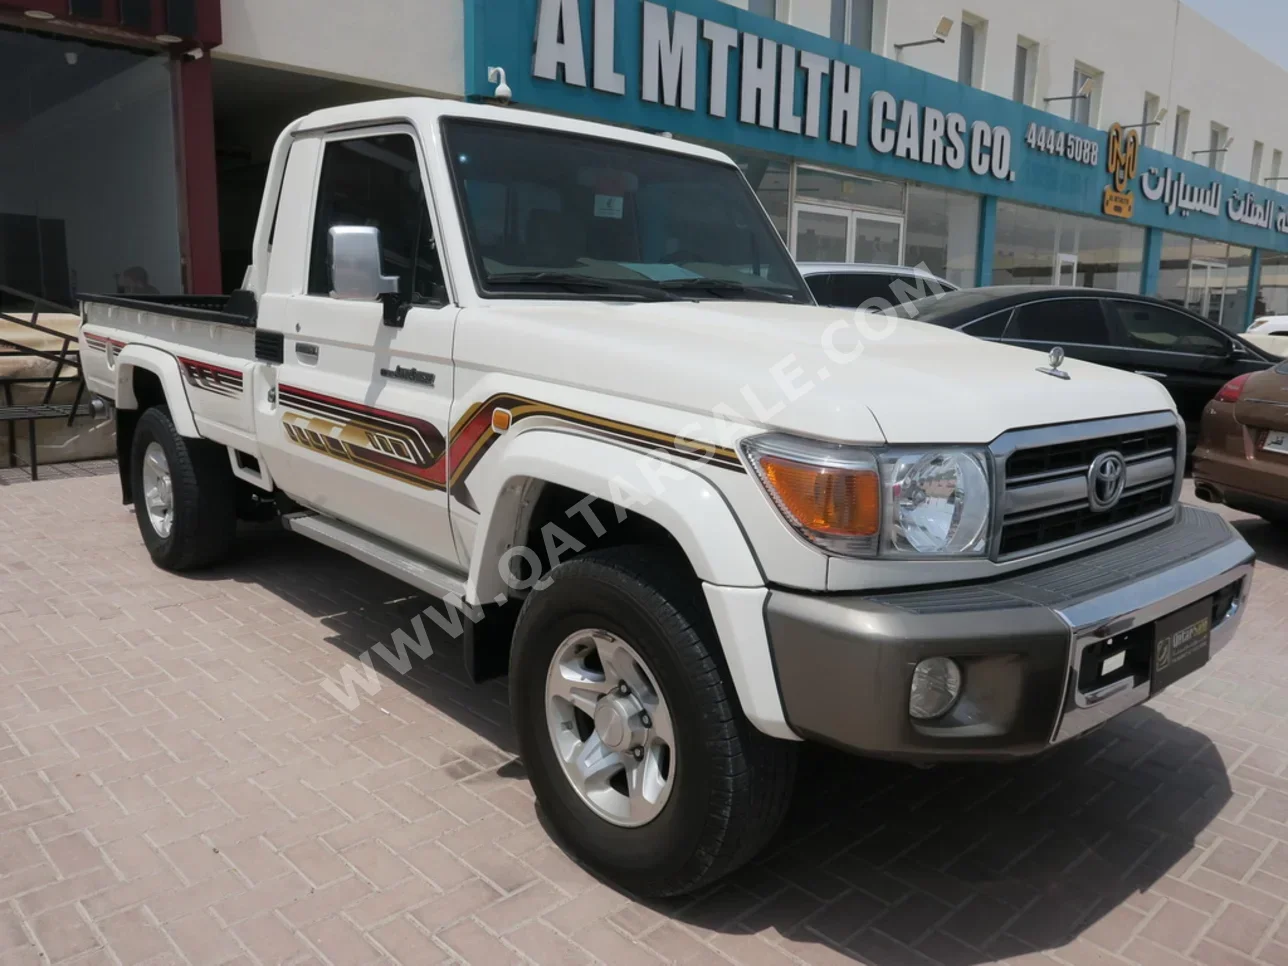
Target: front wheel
{"x": 633, "y": 739}
{"x": 184, "y": 495}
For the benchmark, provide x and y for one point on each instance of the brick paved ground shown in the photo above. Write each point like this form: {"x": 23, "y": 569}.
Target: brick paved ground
{"x": 175, "y": 787}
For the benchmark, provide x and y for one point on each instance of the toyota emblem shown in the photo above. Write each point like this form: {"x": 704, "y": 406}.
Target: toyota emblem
{"x": 1105, "y": 481}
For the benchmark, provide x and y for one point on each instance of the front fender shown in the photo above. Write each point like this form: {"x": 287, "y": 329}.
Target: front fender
{"x": 688, "y": 506}
{"x": 166, "y": 368}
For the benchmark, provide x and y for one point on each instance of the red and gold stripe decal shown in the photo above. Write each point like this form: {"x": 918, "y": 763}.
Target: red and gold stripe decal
{"x": 415, "y": 452}
{"x": 216, "y": 379}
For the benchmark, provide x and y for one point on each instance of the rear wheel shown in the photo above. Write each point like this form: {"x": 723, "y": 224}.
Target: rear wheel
{"x": 636, "y": 748}
{"x": 184, "y": 495}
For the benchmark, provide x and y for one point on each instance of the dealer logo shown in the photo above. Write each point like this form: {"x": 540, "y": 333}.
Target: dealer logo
{"x": 1124, "y": 151}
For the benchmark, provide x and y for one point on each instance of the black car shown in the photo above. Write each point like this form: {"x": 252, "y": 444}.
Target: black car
{"x": 1186, "y": 353}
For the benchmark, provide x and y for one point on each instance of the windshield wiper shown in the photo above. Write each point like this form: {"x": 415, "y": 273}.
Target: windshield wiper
{"x": 575, "y": 282}
{"x": 724, "y": 288}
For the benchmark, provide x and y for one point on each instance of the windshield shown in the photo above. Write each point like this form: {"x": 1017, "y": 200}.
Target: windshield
{"x": 547, "y": 213}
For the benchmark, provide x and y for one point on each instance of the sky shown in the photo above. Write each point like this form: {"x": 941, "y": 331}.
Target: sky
{"x": 1261, "y": 24}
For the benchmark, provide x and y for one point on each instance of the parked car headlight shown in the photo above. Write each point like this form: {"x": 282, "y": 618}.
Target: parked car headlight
{"x": 869, "y": 502}
{"x": 940, "y": 503}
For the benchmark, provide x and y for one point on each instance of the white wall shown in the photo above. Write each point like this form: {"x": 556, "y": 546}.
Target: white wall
{"x": 417, "y": 45}
{"x": 1159, "y": 46}
{"x": 1156, "y": 46}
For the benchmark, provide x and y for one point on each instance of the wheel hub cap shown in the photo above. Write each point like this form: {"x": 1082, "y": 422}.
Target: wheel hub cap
{"x": 158, "y": 490}
{"x": 610, "y": 727}
{"x": 616, "y": 721}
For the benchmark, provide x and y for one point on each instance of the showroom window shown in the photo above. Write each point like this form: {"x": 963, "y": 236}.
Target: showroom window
{"x": 842, "y": 218}
{"x": 1272, "y": 293}
{"x": 1035, "y": 246}
{"x": 89, "y": 197}
{"x": 943, "y": 233}
{"x": 1208, "y": 278}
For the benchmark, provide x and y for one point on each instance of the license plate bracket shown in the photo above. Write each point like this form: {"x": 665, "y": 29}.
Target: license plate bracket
{"x": 1182, "y": 644}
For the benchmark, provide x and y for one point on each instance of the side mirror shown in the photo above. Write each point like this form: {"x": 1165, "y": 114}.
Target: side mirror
{"x": 355, "y": 264}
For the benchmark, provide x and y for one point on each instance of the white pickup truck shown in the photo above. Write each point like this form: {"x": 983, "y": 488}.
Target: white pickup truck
{"x": 567, "y": 377}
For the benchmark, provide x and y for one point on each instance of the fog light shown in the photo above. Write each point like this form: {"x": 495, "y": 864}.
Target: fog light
{"x": 936, "y": 684}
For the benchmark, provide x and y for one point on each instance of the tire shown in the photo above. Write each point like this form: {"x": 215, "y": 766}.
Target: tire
{"x": 731, "y": 783}
{"x": 203, "y": 522}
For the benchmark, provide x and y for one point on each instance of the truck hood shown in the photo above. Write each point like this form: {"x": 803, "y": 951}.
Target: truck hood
{"x": 801, "y": 369}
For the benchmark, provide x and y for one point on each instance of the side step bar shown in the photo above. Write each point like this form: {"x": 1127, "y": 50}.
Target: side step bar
{"x": 384, "y": 556}
{"x": 486, "y": 645}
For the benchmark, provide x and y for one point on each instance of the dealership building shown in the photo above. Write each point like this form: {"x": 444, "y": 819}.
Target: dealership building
{"x": 1124, "y": 146}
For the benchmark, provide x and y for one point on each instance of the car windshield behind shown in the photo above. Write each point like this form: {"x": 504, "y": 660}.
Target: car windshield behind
{"x": 550, "y": 212}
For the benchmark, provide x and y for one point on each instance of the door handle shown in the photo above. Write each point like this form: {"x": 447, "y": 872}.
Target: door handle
{"x": 307, "y": 352}
{"x": 1151, "y": 374}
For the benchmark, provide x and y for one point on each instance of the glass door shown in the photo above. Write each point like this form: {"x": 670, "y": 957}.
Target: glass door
{"x": 1066, "y": 270}
{"x": 1206, "y": 293}
{"x": 877, "y": 238}
{"x": 822, "y": 233}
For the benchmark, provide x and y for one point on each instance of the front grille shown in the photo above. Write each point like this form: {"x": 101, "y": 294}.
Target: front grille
{"x": 1045, "y": 491}
{"x": 1026, "y": 535}
{"x": 1062, "y": 457}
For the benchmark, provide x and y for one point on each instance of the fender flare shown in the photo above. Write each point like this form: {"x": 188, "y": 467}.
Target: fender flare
{"x": 166, "y": 368}
{"x": 687, "y": 505}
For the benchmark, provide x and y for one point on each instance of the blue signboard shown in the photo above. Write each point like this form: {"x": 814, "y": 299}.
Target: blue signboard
{"x": 706, "y": 70}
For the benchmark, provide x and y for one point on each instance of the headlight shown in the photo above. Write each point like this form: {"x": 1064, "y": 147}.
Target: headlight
{"x": 939, "y": 503}
{"x": 877, "y": 502}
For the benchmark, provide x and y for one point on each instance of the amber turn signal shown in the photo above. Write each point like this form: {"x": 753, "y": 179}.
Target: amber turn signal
{"x": 836, "y": 501}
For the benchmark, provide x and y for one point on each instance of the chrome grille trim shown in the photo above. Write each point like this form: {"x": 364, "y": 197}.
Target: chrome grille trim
{"x": 1062, "y": 491}
{"x": 1070, "y": 487}
{"x": 1038, "y": 477}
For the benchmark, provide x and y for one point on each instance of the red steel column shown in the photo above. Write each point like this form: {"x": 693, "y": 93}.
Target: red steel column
{"x": 198, "y": 192}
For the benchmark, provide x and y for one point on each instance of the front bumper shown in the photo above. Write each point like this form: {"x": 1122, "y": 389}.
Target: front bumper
{"x": 844, "y": 663}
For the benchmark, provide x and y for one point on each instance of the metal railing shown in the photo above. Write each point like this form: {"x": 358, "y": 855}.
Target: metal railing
{"x": 65, "y": 361}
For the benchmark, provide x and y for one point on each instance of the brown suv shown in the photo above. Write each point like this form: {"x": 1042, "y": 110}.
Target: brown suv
{"x": 1242, "y": 456}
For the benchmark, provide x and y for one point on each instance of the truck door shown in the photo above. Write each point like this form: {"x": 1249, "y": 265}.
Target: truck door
{"x": 355, "y": 422}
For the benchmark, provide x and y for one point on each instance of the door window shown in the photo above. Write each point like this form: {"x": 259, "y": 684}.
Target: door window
{"x": 1147, "y": 326}
{"x": 1061, "y": 321}
{"x": 376, "y": 182}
